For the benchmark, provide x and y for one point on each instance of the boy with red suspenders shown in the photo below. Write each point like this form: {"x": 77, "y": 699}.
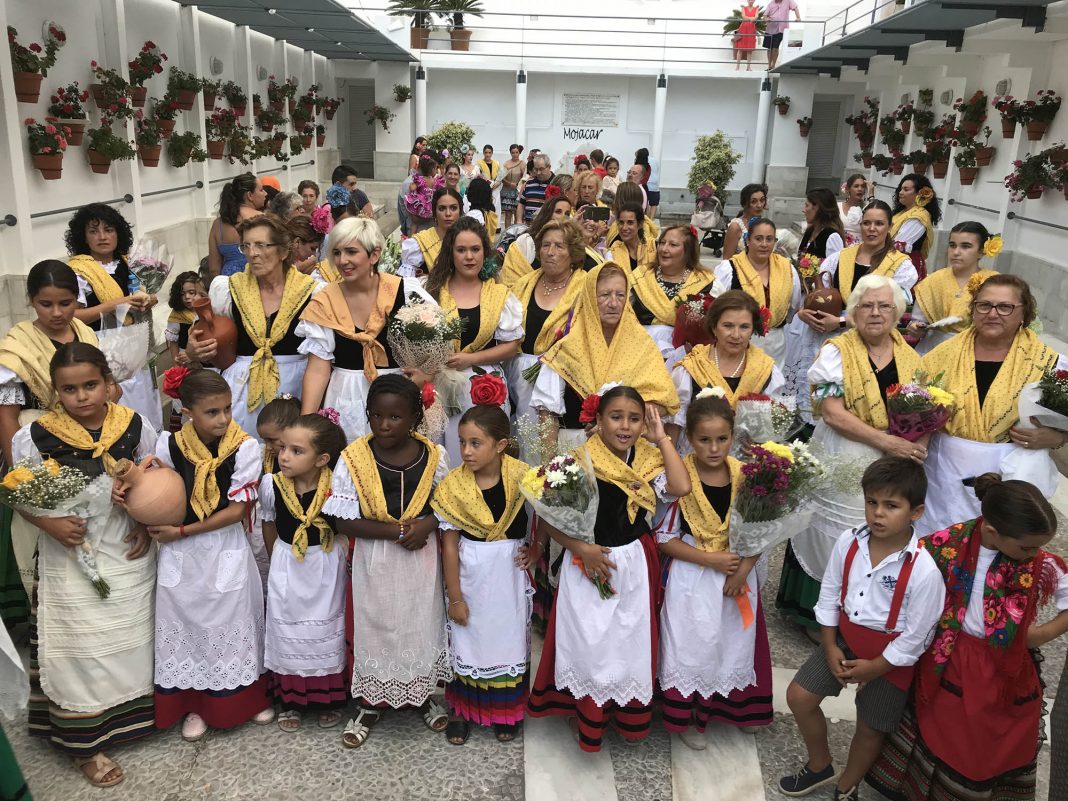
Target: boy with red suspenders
{"x": 880, "y": 599}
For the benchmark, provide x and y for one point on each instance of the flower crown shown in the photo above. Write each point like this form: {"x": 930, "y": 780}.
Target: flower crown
{"x": 592, "y": 403}
{"x": 711, "y": 392}
{"x": 993, "y": 245}
{"x": 331, "y": 414}
{"x": 322, "y": 220}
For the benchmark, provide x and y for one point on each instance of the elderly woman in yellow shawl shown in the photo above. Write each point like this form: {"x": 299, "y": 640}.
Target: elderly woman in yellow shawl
{"x": 985, "y": 367}
{"x": 343, "y": 328}
{"x": 605, "y": 343}
{"x": 420, "y": 251}
{"x": 767, "y": 278}
{"x": 522, "y": 257}
{"x": 265, "y": 301}
{"x": 849, "y": 381}
{"x": 916, "y": 213}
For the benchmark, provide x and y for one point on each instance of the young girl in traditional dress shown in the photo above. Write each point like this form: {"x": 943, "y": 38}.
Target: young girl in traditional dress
{"x": 305, "y": 641}
{"x": 209, "y": 601}
{"x": 972, "y": 733}
{"x": 381, "y": 496}
{"x": 273, "y": 419}
{"x": 90, "y": 657}
{"x": 486, "y": 558}
{"x": 185, "y": 289}
{"x": 600, "y": 654}
{"x": 721, "y": 669}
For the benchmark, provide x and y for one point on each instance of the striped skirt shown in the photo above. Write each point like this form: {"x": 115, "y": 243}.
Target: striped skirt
{"x": 500, "y": 700}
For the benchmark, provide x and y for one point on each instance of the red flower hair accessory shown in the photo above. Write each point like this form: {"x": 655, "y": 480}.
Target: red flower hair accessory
{"x": 428, "y": 395}
{"x": 322, "y": 220}
{"x": 172, "y": 380}
{"x": 551, "y": 191}
{"x": 488, "y": 389}
{"x": 331, "y": 414}
{"x": 590, "y": 405}
{"x": 765, "y": 319}
{"x": 578, "y": 158}
{"x": 694, "y": 232}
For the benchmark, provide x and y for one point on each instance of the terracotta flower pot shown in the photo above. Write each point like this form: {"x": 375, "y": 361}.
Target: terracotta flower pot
{"x": 460, "y": 39}
{"x": 967, "y": 175}
{"x": 97, "y": 163}
{"x": 330, "y": 114}
{"x": 1035, "y": 194}
{"x": 240, "y": 110}
{"x": 97, "y": 91}
{"x": 216, "y": 148}
{"x": 420, "y": 38}
{"x": 906, "y": 126}
{"x": 897, "y": 168}
{"x": 266, "y": 127}
{"x": 305, "y": 141}
{"x": 166, "y": 127}
{"x": 1036, "y": 129}
{"x": 150, "y": 155}
{"x": 1008, "y": 128}
{"x": 805, "y": 129}
{"x": 292, "y": 106}
{"x": 185, "y": 99}
{"x": 320, "y": 140}
{"x": 28, "y": 86}
{"x": 983, "y": 156}
{"x": 221, "y": 329}
{"x": 155, "y": 496}
{"x": 919, "y": 167}
{"x": 930, "y": 147}
{"x": 275, "y": 145}
{"x": 1058, "y": 155}
{"x": 866, "y": 162}
{"x": 969, "y": 128}
{"x": 138, "y": 95}
{"x": 940, "y": 168}
{"x": 256, "y": 109}
{"x": 50, "y": 165}
{"x": 783, "y": 109}
{"x": 209, "y": 101}
{"x": 77, "y": 131}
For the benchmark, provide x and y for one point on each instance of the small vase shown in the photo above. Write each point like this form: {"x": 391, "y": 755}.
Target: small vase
{"x": 101, "y": 165}
{"x": 138, "y": 95}
{"x": 1008, "y": 128}
{"x": 1036, "y": 129}
{"x": 940, "y": 168}
{"x": 216, "y": 148}
{"x": 166, "y": 127}
{"x": 221, "y": 329}
{"x": 154, "y": 497}
{"x": 28, "y": 86}
{"x": 983, "y": 156}
{"x": 150, "y": 155}
{"x": 783, "y": 109}
{"x": 50, "y": 165}
{"x": 77, "y": 131}
{"x": 967, "y": 175}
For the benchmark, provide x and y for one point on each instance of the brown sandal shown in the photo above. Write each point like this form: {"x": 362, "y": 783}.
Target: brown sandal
{"x": 103, "y": 765}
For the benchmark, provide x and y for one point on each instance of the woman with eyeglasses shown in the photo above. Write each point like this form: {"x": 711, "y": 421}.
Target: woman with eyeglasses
{"x": 521, "y": 258}
{"x": 265, "y": 301}
{"x": 848, "y": 382}
{"x": 985, "y": 368}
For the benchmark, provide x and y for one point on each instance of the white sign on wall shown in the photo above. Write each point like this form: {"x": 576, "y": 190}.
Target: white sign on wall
{"x": 591, "y": 111}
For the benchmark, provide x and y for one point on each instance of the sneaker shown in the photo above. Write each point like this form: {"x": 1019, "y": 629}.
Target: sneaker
{"x": 841, "y": 795}
{"x": 805, "y": 781}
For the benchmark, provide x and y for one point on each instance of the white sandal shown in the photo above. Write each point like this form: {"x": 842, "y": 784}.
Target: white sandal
{"x": 356, "y": 731}
{"x": 288, "y": 716}
{"x": 434, "y": 716}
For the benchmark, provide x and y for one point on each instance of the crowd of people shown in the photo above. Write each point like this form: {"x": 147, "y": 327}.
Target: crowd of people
{"x": 333, "y": 559}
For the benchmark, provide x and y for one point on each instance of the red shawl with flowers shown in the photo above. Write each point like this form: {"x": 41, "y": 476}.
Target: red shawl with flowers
{"x": 1012, "y": 593}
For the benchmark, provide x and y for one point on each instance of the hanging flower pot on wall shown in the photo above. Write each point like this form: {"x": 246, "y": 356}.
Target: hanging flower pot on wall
{"x": 1008, "y": 128}
{"x": 77, "y": 131}
{"x": 1035, "y": 193}
{"x": 50, "y": 165}
{"x": 166, "y": 127}
{"x": 28, "y": 86}
{"x": 919, "y": 166}
{"x": 98, "y": 163}
{"x": 967, "y": 175}
{"x": 216, "y": 148}
{"x": 1036, "y": 129}
{"x": 983, "y": 156}
{"x": 320, "y": 140}
{"x": 138, "y": 95}
{"x": 940, "y": 168}
{"x": 150, "y": 155}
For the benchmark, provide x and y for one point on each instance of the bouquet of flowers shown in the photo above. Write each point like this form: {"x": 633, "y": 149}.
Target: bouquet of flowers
{"x": 1046, "y": 400}
{"x": 563, "y": 492}
{"x": 151, "y": 263}
{"x": 759, "y": 417}
{"x": 390, "y": 259}
{"x": 690, "y": 314}
{"x": 808, "y": 267}
{"x": 778, "y": 488}
{"x": 918, "y": 408}
{"x": 49, "y": 489}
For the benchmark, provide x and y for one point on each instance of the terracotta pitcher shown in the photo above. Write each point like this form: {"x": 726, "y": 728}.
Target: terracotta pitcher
{"x": 221, "y": 329}
{"x": 154, "y": 497}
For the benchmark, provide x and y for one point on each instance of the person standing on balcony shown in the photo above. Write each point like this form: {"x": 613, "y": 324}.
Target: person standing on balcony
{"x": 778, "y": 15}
{"x": 745, "y": 40}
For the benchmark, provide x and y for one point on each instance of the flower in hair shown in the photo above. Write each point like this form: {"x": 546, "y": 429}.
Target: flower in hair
{"x": 322, "y": 220}
{"x": 592, "y": 403}
{"x": 693, "y": 231}
{"x": 488, "y": 389}
{"x": 924, "y": 196}
{"x": 338, "y": 195}
{"x": 172, "y": 380}
{"x": 993, "y": 245}
{"x": 711, "y": 392}
{"x": 330, "y": 414}
{"x": 444, "y": 152}
{"x": 285, "y": 396}
{"x": 579, "y": 158}
{"x": 551, "y": 191}
{"x": 974, "y": 283}
{"x": 427, "y": 395}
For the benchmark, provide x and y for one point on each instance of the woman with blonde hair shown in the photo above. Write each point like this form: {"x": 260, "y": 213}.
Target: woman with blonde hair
{"x": 588, "y": 189}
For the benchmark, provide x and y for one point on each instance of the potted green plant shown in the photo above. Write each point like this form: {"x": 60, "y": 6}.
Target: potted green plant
{"x": 735, "y": 20}
{"x": 257, "y": 105}
{"x": 1031, "y": 176}
{"x": 31, "y": 64}
{"x": 276, "y": 94}
{"x": 864, "y": 157}
{"x": 864, "y": 123}
{"x": 268, "y": 118}
{"x": 183, "y": 148}
{"x": 713, "y": 163}
{"x": 938, "y": 156}
{"x": 422, "y": 15}
{"x": 111, "y": 92}
{"x": 926, "y": 97}
{"x": 1039, "y": 113}
{"x": 450, "y": 136}
{"x": 897, "y": 162}
{"x": 307, "y": 133}
{"x": 805, "y": 124}
{"x": 454, "y": 11}
{"x": 984, "y": 154}
{"x": 66, "y": 105}
{"x": 148, "y": 62}
{"x": 401, "y": 92}
{"x": 260, "y": 148}
{"x": 919, "y": 160}
{"x": 964, "y": 158}
{"x": 892, "y": 136}
{"x": 881, "y": 162}
{"x": 330, "y": 106}
{"x": 210, "y": 88}
{"x": 379, "y": 114}
{"x": 310, "y": 99}
{"x": 48, "y": 142}
{"x": 1058, "y": 153}
{"x": 923, "y": 119}
{"x": 239, "y": 144}
{"x": 276, "y": 140}
{"x": 296, "y": 145}
{"x": 320, "y": 135}
{"x": 105, "y": 146}
{"x": 1009, "y": 109}
{"x": 219, "y": 127}
{"x": 165, "y": 112}
{"x": 149, "y": 139}
{"x": 1062, "y": 178}
{"x": 301, "y": 116}
{"x": 904, "y": 114}
{"x": 184, "y": 86}
{"x": 972, "y": 112}
{"x": 291, "y": 87}
{"x": 236, "y": 97}
{"x": 782, "y": 103}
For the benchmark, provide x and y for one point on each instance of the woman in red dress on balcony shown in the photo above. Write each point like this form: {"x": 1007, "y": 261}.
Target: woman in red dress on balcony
{"x": 746, "y": 38}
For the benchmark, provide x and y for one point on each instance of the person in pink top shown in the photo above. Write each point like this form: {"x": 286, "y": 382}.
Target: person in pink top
{"x": 778, "y": 16}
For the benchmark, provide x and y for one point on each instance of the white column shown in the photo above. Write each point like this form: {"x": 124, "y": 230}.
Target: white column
{"x": 521, "y": 107}
{"x": 760, "y": 141}
{"x": 659, "y": 107}
{"x": 420, "y": 101}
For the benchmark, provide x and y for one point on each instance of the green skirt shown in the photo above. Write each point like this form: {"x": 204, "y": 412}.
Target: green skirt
{"x": 12, "y": 785}
{"x": 14, "y": 605}
{"x": 798, "y": 592}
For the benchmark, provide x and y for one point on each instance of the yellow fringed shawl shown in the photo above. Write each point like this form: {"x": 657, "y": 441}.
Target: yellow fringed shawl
{"x": 634, "y": 479}
{"x": 183, "y": 317}
{"x": 360, "y": 460}
{"x": 847, "y": 263}
{"x": 329, "y": 272}
{"x": 653, "y": 298}
{"x": 430, "y": 244}
{"x": 650, "y": 227}
{"x": 780, "y": 285}
{"x": 459, "y": 500}
{"x": 206, "y": 493}
{"x": 27, "y": 352}
{"x": 862, "y": 397}
{"x": 710, "y": 532}
{"x": 104, "y": 286}
{"x": 916, "y": 212}
{"x": 312, "y": 517}
{"x": 699, "y": 364}
{"x": 939, "y": 295}
{"x": 558, "y": 316}
{"x": 116, "y": 422}
{"x": 492, "y": 298}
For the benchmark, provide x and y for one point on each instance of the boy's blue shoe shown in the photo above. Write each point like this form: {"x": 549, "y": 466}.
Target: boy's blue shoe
{"x": 805, "y": 781}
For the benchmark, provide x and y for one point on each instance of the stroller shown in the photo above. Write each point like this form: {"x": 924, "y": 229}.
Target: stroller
{"x": 708, "y": 218}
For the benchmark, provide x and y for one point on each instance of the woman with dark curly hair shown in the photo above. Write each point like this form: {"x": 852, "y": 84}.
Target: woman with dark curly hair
{"x": 97, "y": 238}
{"x": 916, "y": 213}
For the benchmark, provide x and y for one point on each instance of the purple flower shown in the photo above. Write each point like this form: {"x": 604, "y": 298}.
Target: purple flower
{"x": 759, "y": 491}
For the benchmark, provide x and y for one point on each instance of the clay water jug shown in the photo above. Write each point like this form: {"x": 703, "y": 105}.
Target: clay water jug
{"x": 155, "y": 497}
{"x": 221, "y": 329}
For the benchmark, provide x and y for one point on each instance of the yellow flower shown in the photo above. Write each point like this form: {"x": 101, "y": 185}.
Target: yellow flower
{"x": 16, "y": 477}
{"x": 940, "y": 396}
{"x": 534, "y": 483}
{"x": 52, "y": 466}
{"x": 777, "y": 449}
{"x": 948, "y": 552}
{"x": 974, "y": 283}
{"x": 1026, "y": 580}
{"x": 993, "y": 246}
{"x": 924, "y": 196}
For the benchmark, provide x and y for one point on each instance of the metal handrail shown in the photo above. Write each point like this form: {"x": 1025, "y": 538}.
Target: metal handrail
{"x": 197, "y": 185}
{"x": 843, "y": 30}
{"x": 955, "y": 202}
{"x": 127, "y": 198}
{"x": 1014, "y": 216}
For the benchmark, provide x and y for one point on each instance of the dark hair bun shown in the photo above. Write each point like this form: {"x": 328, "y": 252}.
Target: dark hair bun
{"x": 986, "y": 482}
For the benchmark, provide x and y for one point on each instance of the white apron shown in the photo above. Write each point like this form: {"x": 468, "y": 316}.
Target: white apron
{"x": 139, "y": 394}
{"x": 802, "y": 347}
{"x": 306, "y": 611}
{"x": 291, "y": 378}
{"x": 496, "y": 640}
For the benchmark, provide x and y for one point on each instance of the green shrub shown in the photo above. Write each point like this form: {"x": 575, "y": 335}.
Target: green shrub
{"x": 713, "y": 160}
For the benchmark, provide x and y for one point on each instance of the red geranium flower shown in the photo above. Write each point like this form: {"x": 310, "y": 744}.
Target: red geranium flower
{"x": 589, "y": 409}
{"x": 172, "y": 380}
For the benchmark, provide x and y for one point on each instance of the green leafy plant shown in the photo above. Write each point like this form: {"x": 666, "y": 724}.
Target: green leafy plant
{"x": 926, "y": 97}
{"x": 965, "y": 154}
{"x": 421, "y": 11}
{"x": 892, "y": 136}
{"x": 1042, "y": 109}
{"x": 301, "y": 115}
{"x": 239, "y": 146}
{"x": 146, "y": 131}
{"x": 183, "y": 148}
{"x": 1031, "y": 175}
{"x": 401, "y": 92}
{"x": 713, "y": 162}
{"x": 148, "y": 62}
{"x": 112, "y": 93}
{"x": 379, "y": 114}
{"x": 166, "y": 108}
{"x": 331, "y": 105}
{"x": 67, "y": 102}
{"x": 972, "y": 110}
{"x": 260, "y": 148}
{"x": 108, "y": 144}
{"x": 296, "y": 147}
{"x": 923, "y": 119}
{"x": 454, "y": 10}
{"x": 221, "y": 124}
{"x": 268, "y": 118}
{"x": 735, "y": 20}
{"x": 804, "y": 122}
{"x": 234, "y": 94}
{"x": 178, "y": 80}
{"x": 211, "y": 87}
{"x": 881, "y": 162}
{"x": 35, "y": 58}
{"x": 781, "y": 100}
{"x": 279, "y": 92}
{"x": 450, "y": 136}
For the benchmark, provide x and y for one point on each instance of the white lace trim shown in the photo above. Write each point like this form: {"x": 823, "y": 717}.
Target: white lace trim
{"x": 343, "y": 506}
{"x": 398, "y": 692}
{"x": 621, "y": 689}
{"x": 12, "y": 394}
{"x": 474, "y": 672}
{"x": 224, "y": 658}
{"x": 688, "y": 683}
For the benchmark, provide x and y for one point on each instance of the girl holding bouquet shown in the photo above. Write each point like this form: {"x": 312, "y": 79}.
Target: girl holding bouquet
{"x": 948, "y": 292}
{"x": 720, "y": 670}
{"x": 600, "y": 653}
{"x": 343, "y": 328}
{"x": 486, "y": 559}
{"x": 90, "y": 657}
{"x": 380, "y": 494}
{"x": 304, "y": 646}
{"x": 209, "y": 599}
{"x": 420, "y": 252}
{"x": 492, "y": 315}
{"x": 849, "y": 382}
